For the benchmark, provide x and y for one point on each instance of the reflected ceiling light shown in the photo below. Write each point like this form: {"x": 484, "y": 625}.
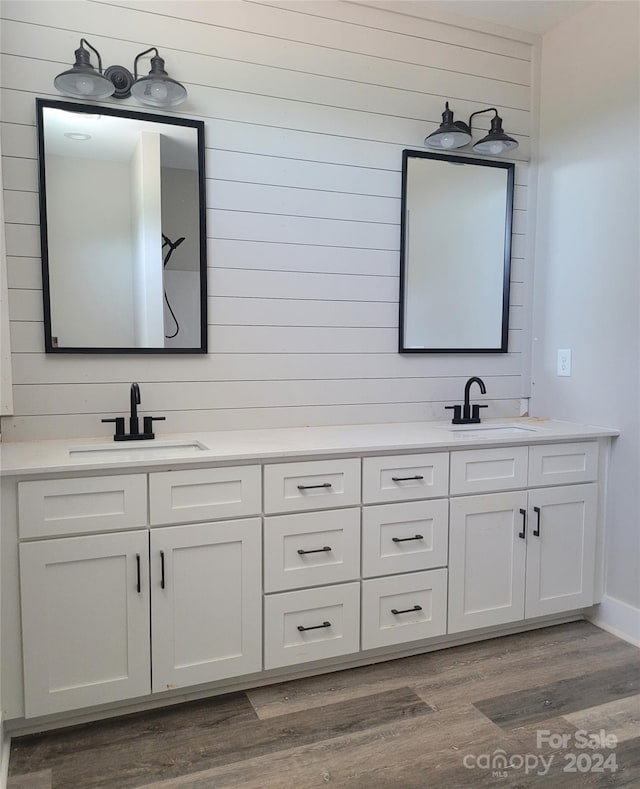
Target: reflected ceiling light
{"x": 77, "y": 136}
{"x": 83, "y": 81}
{"x": 456, "y": 134}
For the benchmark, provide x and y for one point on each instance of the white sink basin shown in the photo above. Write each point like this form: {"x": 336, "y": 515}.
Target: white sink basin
{"x": 128, "y": 450}
{"x": 492, "y": 430}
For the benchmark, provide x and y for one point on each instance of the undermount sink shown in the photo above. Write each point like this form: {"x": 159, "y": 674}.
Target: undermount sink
{"x": 135, "y": 449}
{"x": 489, "y": 431}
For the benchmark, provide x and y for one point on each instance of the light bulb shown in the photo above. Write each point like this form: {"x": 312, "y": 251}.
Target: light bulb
{"x": 496, "y": 147}
{"x": 84, "y": 85}
{"x": 159, "y": 91}
{"x": 447, "y": 141}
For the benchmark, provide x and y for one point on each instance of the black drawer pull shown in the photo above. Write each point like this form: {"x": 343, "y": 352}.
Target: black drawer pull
{"x": 313, "y": 487}
{"x": 406, "y": 479}
{"x": 302, "y": 628}
{"x": 406, "y": 610}
{"x": 522, "y": 534}
{"x": 536, "y": 531}
{"x": 406, "y": 539}
{"x": 162, "y": 569}
{"x": 138, "y": 585}
{"x": 326, "y": 549}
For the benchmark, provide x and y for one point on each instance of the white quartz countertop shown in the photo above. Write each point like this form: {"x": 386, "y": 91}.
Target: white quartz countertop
{"x": 174, "y": 450}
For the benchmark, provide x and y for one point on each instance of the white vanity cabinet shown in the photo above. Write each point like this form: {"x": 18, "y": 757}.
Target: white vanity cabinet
{"x": 404, "y": 596}
{"x": 124, "y": 587}
{"x": 522, "y": 553}
{"x": 205, "y": 602}
{"x": 85, "y": 620}
{"x": 102, "y": 613}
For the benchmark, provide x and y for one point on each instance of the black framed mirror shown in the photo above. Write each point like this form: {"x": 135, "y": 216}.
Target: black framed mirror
{"x": 455, "y": 253}
{"x": 122, "y": 230}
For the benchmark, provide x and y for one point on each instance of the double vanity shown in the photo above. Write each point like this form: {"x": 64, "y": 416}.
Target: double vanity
{"x": 137, "y": 573}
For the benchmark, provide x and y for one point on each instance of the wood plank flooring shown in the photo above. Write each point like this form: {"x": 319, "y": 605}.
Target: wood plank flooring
{"x": 469, "y": 716}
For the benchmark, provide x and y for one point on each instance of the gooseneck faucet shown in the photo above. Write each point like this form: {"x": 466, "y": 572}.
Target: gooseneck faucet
{"x": 134, "y": 425}
{"x": 468, "y": 414}
{"x": 135, "y": 402}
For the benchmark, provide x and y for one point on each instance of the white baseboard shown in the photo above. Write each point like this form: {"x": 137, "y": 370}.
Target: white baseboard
{"x": 618, "y": 618}
{"x": 5, "y": 747}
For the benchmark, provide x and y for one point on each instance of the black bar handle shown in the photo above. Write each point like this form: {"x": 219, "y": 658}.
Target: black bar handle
{"x": 138, "y": 584}
{"x": 326, "y": 549}
{"x": 406, "y": 539}
{"x": 302, "y": 628}
{"x": 162, "y": 569}
{"x": 522, "y": 534}
{"x": 536, "y": 531}
{"x": 406, "y": 610}
{"x": 312, "y": 487}
{"x": 406, "y": 479}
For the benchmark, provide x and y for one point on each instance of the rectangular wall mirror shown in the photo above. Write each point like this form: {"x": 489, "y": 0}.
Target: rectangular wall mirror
{"x": 122, "y": 229}
{"x": 455, "y": 253}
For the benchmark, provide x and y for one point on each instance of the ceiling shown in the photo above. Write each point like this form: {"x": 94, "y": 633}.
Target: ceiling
{"x": 533, "y": 16}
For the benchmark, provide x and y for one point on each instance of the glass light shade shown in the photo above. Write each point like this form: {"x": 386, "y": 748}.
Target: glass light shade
{"x": 83, "y": 82}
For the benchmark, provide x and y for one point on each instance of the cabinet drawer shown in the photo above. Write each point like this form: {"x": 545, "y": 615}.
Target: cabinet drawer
{"x": 85, "y": 504}
{"x": 404, "y": 608}
{"x": 312, "y": 624}
{"x": 311, "y": 485}
{"x": 204, "y": 494}
{"x": 401, "y": 477}
{"x": 311, "y": 549}
{"x": 400, "y": 538}
{"x": 556, "y": 464}
{"x": 484, "y": 470}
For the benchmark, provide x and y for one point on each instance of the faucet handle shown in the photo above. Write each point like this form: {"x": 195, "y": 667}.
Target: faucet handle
{"x": 119, "y": 422}
{"x": 148, "y": 424}
{"x": 475, "y": 410}
{"x": 457, "y": 414}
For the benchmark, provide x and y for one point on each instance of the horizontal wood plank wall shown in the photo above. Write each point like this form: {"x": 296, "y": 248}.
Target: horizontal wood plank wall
{"x": 308, "y": 106}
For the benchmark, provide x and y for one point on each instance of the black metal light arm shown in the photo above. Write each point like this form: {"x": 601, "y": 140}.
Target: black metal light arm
{"x": 480, "y": 112}
{"x": 142, "y": 54}
{"x": 93, "y": 49}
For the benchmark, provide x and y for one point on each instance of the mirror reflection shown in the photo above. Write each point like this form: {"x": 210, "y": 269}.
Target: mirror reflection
{"x": 122, "y": 229}
{"x": 455, "y": 254}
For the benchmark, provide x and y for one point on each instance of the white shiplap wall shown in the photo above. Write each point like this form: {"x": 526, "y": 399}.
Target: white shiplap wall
{"x": 307, "y": 106}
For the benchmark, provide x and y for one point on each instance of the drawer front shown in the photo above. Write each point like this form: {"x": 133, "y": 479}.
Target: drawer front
{"x": 402, "y": 477}
{"x": 311, "y": 485}
{"x": 404, "y": 608}
{"x": 485, "y": 470}
{"x": 204, "y": 494}
{"x": 85, "y": 504}
{"x": 557, "y": 464}
{"x": 401, "y": 538}
{"x": 311, "y": 549}
{"x": 312, "y": 624}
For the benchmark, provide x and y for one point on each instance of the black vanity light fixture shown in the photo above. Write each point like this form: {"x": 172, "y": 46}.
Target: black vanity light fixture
{"x": 83, "y": 81}
{"x": 455, "y": 134}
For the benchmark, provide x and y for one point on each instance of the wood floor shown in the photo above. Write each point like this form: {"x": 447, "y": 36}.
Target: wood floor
{"x": 470, "y": 716}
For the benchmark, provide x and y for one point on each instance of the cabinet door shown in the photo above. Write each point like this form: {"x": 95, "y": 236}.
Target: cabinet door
{"x": 561, "y": 549}
{"x": 487, "y": 553}
{"x": 206, "y": 595}
{"x": 85, "y": 620}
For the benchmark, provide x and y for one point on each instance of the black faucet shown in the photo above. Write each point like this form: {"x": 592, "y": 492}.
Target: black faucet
{"x": 468, "y": 414}
{"x": 134, "y": 396}
{"x": 134, "y": 433}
